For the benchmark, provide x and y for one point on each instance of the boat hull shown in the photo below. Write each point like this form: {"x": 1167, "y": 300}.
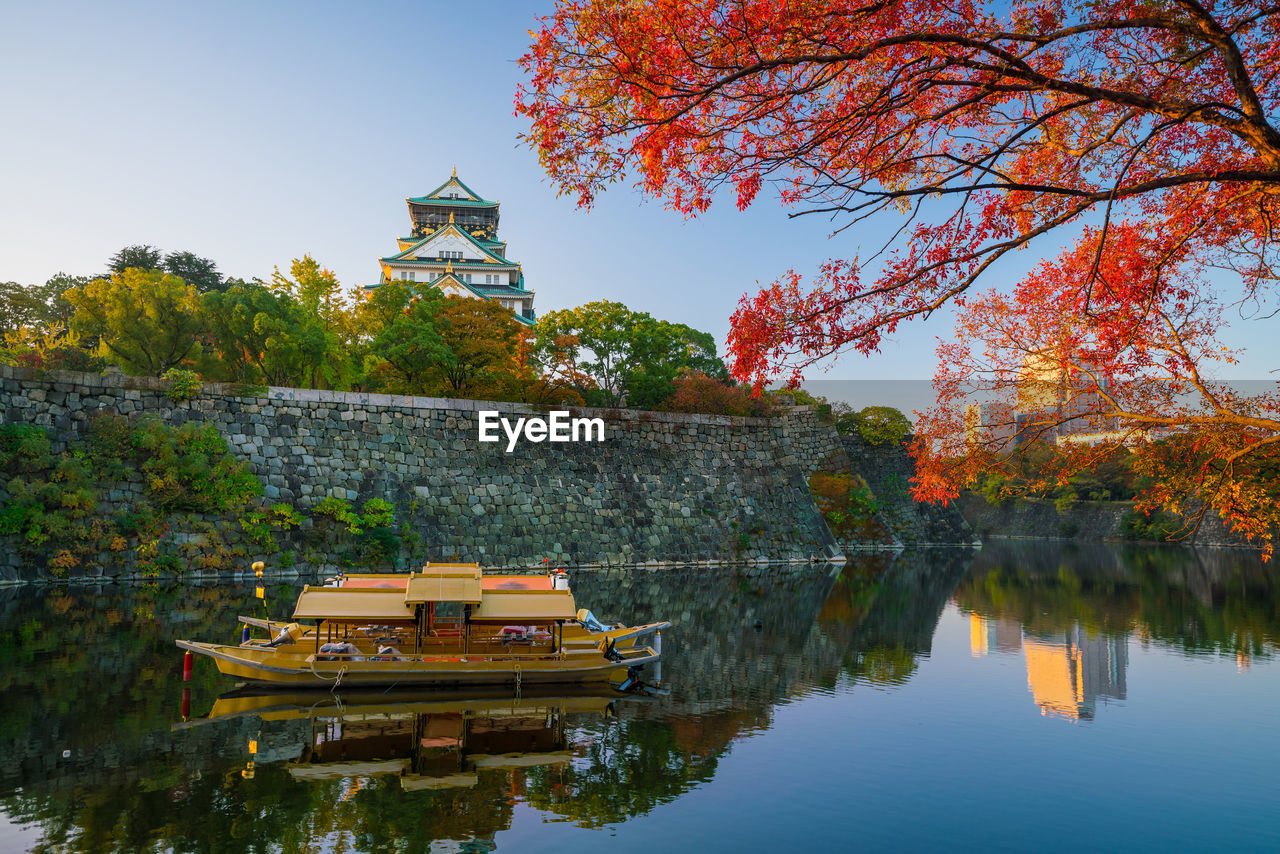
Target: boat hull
{"x": 264, "y": 666}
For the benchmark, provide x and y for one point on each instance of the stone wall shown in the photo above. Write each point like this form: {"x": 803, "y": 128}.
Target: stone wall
{"x": 1083, "y": 521}
{"x": 660, "y": 488}
{"x": 888, "y": 470}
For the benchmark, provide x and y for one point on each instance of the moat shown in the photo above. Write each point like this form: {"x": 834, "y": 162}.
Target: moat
{"x": 1030, "y": 695}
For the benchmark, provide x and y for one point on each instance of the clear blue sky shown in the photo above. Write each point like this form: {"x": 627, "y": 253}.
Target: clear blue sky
{"x": 254, "y": 133}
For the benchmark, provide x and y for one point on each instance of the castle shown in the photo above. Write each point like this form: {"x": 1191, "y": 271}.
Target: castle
{"x": 454, "y": 246}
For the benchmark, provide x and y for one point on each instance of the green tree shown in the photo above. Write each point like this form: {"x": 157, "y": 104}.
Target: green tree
{"x": 20, "y": 307}
{"x": 314, "y": 287}
{"x": 877, "y": 425}
{"x": 664, "y": 351}
{"x": 146, "y": 320}
{"x": 604, "y": 330}
{"x": 483, "y": 340}
{"x": 326, "y": 332}
{"x": 141, "y": 256}
{"x": 58, "y": 310}
{"x": 405, "y": 339}
{"x": 194, "y": 270}
{"x": 264, "y": 334}
{"x": 40, "y": 308}
{"x": 632, "y": 358}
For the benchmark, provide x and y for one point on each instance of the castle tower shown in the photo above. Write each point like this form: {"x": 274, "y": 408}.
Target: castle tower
{"x": 453, "y": 245}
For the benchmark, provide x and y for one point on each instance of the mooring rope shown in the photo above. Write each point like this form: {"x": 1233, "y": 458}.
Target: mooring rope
{"x": 337, "y": 680}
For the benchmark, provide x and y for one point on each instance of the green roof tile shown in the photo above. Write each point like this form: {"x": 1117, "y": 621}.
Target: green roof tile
{"x": 431, "y": 198}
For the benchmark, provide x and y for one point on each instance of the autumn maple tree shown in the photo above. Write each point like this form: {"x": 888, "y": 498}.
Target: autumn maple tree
{"x": 1050, "y": 372}
{"x": 972, "y": 130}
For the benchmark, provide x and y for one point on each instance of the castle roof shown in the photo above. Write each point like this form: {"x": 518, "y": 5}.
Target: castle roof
{"x": 440, "y": 196}
{"x": 485, "y": 250}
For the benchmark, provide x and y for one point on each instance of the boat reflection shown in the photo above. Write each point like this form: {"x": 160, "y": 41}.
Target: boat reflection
{"x": 427, "y": 740}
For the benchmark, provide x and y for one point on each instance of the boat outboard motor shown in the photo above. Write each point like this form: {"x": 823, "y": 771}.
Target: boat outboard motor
{"x": 590, "y": 622}
{"x": 288, "y": 634}
{"x": 632, "y": 680}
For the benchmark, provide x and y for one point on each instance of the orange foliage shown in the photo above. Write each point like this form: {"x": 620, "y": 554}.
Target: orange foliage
{"x": 555, "y": 379}
{"x": 697, "y": 392}
{"x": 990, "y": 123}
{"x": 1095, "y": 370}
{"x": 974, "y": 130}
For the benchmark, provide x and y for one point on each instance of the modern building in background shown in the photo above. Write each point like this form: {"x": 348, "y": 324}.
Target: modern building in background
{"x": 1055, "y": 403}
{"x": 992, "y": 424}
{"x": 453, "y": 246}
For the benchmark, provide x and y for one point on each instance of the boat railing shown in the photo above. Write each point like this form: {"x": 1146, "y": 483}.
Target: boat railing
{"x": 418, "y": 658}
{"x": 627, "y": 654}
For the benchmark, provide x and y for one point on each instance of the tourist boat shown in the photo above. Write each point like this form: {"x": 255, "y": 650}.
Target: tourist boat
{"x": 449, "y": 624}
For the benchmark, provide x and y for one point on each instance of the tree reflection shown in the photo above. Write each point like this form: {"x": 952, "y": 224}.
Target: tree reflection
{"x": 1220, "y": 601}
{"x": 621, "y": 770}
{"x": 883, "y": 610}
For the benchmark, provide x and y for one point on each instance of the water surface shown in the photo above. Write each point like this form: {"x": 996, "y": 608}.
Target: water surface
{"x": 1029, "y": 697}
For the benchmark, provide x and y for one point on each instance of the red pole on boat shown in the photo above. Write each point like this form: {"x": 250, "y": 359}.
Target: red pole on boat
{"x": 187, "y": 662}
{"x": 186, "y": 704}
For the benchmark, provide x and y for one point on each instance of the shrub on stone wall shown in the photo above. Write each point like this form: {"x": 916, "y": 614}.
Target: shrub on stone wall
{"x": 50, "y": 499}
{"x": 53, "y": 499}
{"x": 1157, "y": 526}
{"x": 190, "y": 468}
{"x": 847, "y": 504}
{"x": 183, "y": 384}
{"x": 357, "y": 538}
{"x": 262, "y": 525}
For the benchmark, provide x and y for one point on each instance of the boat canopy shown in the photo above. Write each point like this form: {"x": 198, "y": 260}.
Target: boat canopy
{"x": 525, "y": 606}
{"x": 364, "y": 604}
{"x": 444, "y": 582}
{"x": 369, "y": 579}
{"x": 495, "y": 599}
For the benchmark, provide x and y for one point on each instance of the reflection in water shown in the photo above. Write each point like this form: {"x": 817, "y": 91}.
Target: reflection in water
{"x": 992, "y": 635}
{"x": 432, "y": 740}
{"x": 1068, "y": 675}
{"x": 1081, "y": 605}
{"x": 1067, "y": 671}
{"x": 93, "y": 753}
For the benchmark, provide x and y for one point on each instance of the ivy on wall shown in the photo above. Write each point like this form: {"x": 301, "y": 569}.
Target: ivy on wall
{"x": 847, "y": 503}
{"x": 63, "y": 509}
